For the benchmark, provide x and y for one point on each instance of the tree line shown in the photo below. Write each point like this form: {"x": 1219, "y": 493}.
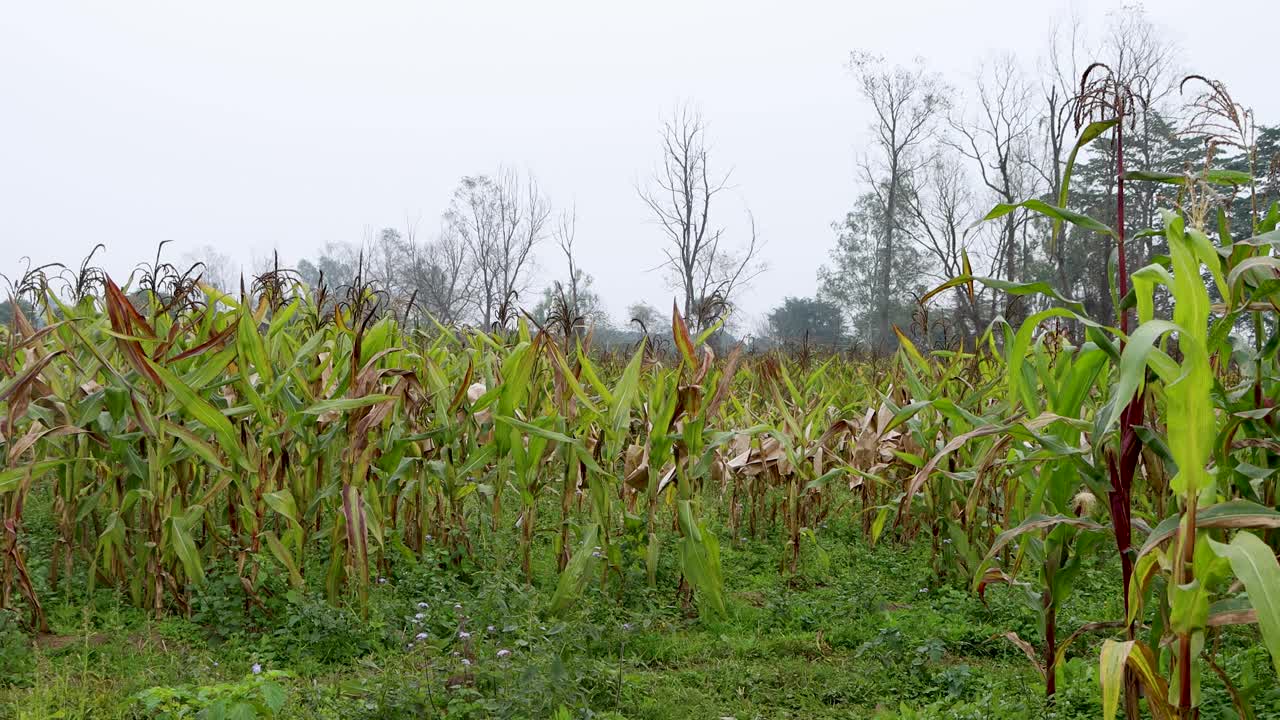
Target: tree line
{"x": 479, "y": 269}
{"x": 937, "y": 158}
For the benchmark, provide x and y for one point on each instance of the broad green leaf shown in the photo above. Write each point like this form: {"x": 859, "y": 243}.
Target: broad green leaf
{"x": 574, "y": 577}
{"x": 1216, "y": 176}
{"x": 10, "y": 477}
{"x": 282, "y": 554}
{"x": 1111, "y": 664}
{"x": 1091, "y": 132}
{"x": 282, "y": 502}
{"x": 1032, "y": 524}
{"x": 1255, "y": 565}
{"x": 1056, "y": 213}
{"x": 534, "y": 430}
{"x": 1138, "y": 353}
{"x": 1233, "y": 514}
{"x": 204, "y": 413}
{"x": 186, "y": 550}
{"x": 344, "y": 404}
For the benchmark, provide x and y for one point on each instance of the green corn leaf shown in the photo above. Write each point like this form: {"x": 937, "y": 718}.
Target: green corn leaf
{"x": 10, "y": 477}
{"x": 1215, "y": 176}
{"x": 252, "y": 351}
{"x": 282, "y": 502}
{"x": 1138, "y": 353}
{"x": 344, "y": 404}
{"x": 574, "y": 577}
{"x": 1233, "y": 514}
{"x": 1111, "y": 664}
{"x": 1091, "y": 132}
{"x": 1058, "y": 214}
{"x": 185, "y": 548}
{"x": 1255, "y": 565}
{"x": 282, "y": 554}
{"x": 195, "y": 443}
{"x": 534, "y": 430}
{"x": 204, "y": 413}
{"x": 1032, "y": 524}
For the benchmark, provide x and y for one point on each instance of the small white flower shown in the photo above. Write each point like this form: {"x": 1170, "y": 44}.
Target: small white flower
{"x": 428, "y": 538}
{"x": 463, "y": 635}
{"x": 924, "y": 590}
{"x": 418, "y": 616}
{"x": 257, "y": 669}
{"x": 457, "y": 606}
{"x": 423, "y": 606}
{"x": 504, "y": 653}
{"x": 466, "y": 662}
{"x": 382, "y": 581}
{"x": 491, "y": 629}
{"x": 420, "y": 636}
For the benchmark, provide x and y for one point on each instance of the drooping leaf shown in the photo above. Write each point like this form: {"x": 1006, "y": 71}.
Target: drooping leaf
{"x": 1253, "y": 562}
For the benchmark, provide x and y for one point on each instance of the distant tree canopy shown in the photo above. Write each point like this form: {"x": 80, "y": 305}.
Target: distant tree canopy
{"x": 858, "y": 261}
{"x": 808, "y": 320}
{"x": 28, "y": 310}
{"x": 336, "y": 265}
{"x": 558, "y": 303}
{"x": 936, "y": 160}
{"x": 940, "y": 158}
{"x": 647, "y": 315}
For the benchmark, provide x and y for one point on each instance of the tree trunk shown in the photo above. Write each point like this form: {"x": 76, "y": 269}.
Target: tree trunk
{"x": 886, "y": 260}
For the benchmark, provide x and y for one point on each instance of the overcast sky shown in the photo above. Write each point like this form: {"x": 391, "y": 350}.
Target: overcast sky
{"x": 253, "y": 126}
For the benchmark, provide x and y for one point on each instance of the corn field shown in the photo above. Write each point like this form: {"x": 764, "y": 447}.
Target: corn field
{"x": 178, "y": 432}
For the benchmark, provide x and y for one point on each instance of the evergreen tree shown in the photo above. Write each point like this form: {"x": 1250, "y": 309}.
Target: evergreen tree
{"x": 807, "y": 320}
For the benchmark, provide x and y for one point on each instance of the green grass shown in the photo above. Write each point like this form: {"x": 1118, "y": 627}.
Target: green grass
{"x": 876, "y": 633}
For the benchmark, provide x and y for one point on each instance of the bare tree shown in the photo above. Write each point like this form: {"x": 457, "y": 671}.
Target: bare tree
{"x": 1060, "y": 73}
{"x": 218, "y": 271}
{"x": 379, "y": 261}
{"x": 907, "y": 102}
{"x": 574, "y": 304}
{"x": 1144, "y": 61}
{"x": 645, "y": 316}
{"x": 472, "y": 219}
{"x": 943, "y": 209}
{"x": 706, "y": 269}
{"x": 1136, "y": 57}
{"x": 998, "y": 135}
{"x": 441, "y": 279}
{"x": 383, "y": 253}
{"x": 499, "y": 223}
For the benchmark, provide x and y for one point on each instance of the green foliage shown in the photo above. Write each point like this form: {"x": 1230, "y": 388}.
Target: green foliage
{"x": 258, "y": 696}
{"x": 16, "y": 658}
{"x": 808, "y": 321}
{"x": 858, "y": 259}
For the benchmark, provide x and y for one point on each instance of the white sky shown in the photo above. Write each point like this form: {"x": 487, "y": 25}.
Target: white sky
{"x": 258, "y": 125}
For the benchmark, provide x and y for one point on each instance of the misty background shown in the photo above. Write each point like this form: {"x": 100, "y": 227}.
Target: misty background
{"x": 248, "y": 128}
